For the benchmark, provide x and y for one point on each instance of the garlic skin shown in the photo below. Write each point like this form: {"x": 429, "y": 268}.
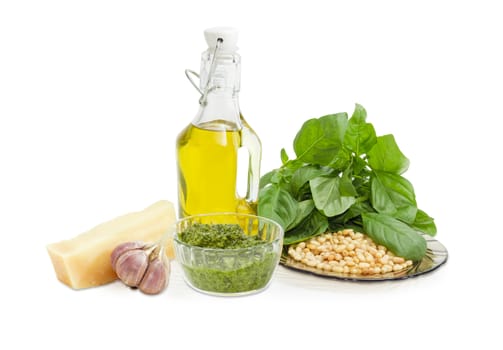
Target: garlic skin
{"x": 131, "y": 266}
{"x": 122, "y": 248}
{"x": 141, "y": 265}
{"x": 156, "y": 277}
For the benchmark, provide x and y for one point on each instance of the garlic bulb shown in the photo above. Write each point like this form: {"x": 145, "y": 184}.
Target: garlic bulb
{"x": 142, "y": 265}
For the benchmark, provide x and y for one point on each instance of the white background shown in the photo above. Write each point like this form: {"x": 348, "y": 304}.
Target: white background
{"x": 92, "y": 96}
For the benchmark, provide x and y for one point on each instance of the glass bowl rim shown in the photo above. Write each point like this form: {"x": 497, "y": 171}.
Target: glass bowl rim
{"x": 233, "y": 250}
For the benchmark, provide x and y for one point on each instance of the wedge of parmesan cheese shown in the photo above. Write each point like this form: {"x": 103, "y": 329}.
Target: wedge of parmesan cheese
{"x": 84, "y": 261}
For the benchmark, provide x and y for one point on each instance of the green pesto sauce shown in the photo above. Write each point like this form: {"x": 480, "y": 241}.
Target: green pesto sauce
{"x": 251, "y": 276}
{"x": 222, "y": 236}
{"x": 232, "y": 273}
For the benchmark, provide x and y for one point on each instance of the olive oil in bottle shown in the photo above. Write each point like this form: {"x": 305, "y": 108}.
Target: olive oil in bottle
{"x": 207, "y": 149}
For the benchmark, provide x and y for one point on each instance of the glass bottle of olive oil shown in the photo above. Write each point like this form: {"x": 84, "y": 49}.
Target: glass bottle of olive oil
{"x": 207, "y": 149}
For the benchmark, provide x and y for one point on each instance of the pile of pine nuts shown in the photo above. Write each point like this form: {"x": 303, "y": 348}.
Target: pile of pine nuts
{"x": 347, "y": 252}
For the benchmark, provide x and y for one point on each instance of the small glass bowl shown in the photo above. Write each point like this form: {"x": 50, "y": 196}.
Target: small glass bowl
{"x": 230, "y": 272}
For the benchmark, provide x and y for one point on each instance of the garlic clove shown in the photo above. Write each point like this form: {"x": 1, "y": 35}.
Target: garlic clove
{"x": 122, "y": 248}
{"x": 156, "y": 276}
{"x": 131, "y": 266}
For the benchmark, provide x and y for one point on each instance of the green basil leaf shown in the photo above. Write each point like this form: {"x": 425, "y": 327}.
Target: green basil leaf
{"x": 304, "y": 174}
{"x": 313, "y": 225}
{"x": 319, "y": 140}
{"x": 346, "y": 184}
{"x": 386, "y": 156}
{"x": 280, "y": 176}
{"x": 266, "y": 179}
{"x": 284, "y": 156}
{"x": 360, "y": 166}
{"x": 304, "y": 193}
{"x": 424, "y": 223}
{"x": 395, "y": 235}
{"x": 277, "y": 204}
{"x": 304, "y": 208}
{"x": 277, "y": 176}
{"x": 360, "y": 136}
{"x": 393, "y": 195}
{"x": 327, "y": 196}
{"x": 341, "y": 160}
{"x": 353, "y": 212}
{"x": 335, "y": 227}
{"x": 380, "y": 198}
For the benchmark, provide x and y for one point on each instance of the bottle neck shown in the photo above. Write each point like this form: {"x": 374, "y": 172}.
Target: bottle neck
{"x": 219, "y": 106}
{"x": 219, "y": 112}
{"x": 221, "y": 72}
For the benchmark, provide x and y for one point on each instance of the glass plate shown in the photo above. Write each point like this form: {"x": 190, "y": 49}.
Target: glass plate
{"x": 436, "y": 255}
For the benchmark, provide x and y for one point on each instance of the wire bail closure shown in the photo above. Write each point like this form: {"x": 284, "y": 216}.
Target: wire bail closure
{"x": 189, "y": 73}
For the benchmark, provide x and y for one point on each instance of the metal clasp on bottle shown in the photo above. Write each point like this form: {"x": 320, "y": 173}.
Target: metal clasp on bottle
{"x": 189, "y": 73}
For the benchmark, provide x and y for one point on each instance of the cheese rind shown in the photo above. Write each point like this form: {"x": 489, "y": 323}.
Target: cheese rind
{"x": 84, "y": 261}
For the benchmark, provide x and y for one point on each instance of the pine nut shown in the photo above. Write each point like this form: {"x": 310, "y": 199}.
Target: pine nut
{"x": 346, "y": 252}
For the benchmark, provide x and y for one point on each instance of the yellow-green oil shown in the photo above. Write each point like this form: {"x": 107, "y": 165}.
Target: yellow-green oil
{"x": 207, "y": 170}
